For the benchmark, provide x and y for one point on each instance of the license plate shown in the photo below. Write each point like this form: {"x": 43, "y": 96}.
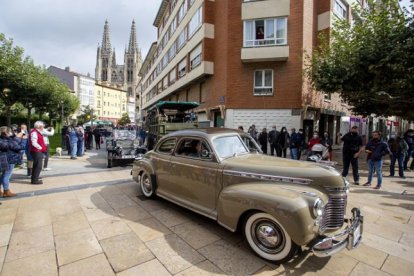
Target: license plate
{"x": 357, "y": 234}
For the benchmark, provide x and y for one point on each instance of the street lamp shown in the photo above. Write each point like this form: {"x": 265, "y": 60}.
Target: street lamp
{"x": 62, "y": 112}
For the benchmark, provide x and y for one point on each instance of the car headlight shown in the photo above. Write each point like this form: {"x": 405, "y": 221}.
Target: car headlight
{"x": 318, "y": 207}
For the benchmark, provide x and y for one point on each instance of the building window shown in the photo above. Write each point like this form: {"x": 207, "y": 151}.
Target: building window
{"x": 327, "y": 96}
{"x": 171, "y": 52}
{"x": 181, "y": 40}
{"x": 340, "y": 9}
{"x": 195, "y": 22}
{"x": 181, "y": 12}
{"x": 263, "y": 32}
{"x": 173, "y": 76}
{"x": 263, "y": 82}
{"x": 165, "y": 82}
{"x": 130, "y": 92}
{"x": 195, "y": 57}
{"x": 173, "y": 26}
{"x": 181, "y": 68}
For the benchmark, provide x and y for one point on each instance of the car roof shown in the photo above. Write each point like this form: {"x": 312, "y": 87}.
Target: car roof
{"x": 203, "y": 132}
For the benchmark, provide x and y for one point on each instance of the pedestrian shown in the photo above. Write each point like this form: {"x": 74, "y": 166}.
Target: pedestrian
{"x": 47, "y": 132}
{"x": 89, "y": 138}
{"x": 273, "y": 137}
{"x": 376, "y": 149}
{"x": 98, "y": 136}
{"x": 22, "y": 133}
{"x": 240, "y": 128}
{"x": 253, "y": 132}
{"x": 353, "y": 146}
{"x": 294, "y": 144}
{"x": 263, "y": 140}
{"x": 73, "y": 138}
{"x": 409, "y": 139}
{"x": 64, "y": 131}
{"x": 283, "y": 142}
{"x": 327, "y": 142}
{"x": 301, "y": 142}
{"x": 10, "y": 146}
{"x": 37, "y": 150}
{"x": 399, "y": 150}
{"x": 314, "y": 140}
{"x": 81, "y": 141}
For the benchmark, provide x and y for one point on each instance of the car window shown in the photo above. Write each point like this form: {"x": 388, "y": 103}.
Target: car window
{"x": 193, "y": 148}
{"x": 251, "y": 143}
{"x": 229, "y": 146}
{"x": 167, "y": 146}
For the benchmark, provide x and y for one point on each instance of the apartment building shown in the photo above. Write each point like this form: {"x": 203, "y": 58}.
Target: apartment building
{"x": 110, "y": 103}
{"x": 243, "y": 61}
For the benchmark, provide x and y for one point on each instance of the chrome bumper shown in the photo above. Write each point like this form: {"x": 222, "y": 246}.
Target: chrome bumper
{"x": 350, "y": 238}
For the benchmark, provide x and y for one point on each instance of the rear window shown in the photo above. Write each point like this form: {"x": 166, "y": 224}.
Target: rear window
{"x": 167, "y": 146}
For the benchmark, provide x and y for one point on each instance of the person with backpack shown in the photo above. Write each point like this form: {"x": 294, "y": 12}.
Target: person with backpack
{"x": 376, "y": 149}
{"x": 352, "y": 148}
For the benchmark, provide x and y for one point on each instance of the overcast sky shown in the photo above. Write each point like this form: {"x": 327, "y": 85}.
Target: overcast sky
{"x": 67, "y": 32}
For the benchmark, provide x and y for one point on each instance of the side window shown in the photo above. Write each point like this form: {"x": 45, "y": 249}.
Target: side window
{"x": 194, "y": 148}
{"x": 167, "y": 147}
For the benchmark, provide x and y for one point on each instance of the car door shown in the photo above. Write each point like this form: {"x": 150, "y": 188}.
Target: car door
{"x": 194, "y": 179}
{"x": 161, "y": 158}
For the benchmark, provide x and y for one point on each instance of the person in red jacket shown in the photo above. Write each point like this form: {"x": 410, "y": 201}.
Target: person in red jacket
{"x": 314, "y": 140}
{"x": 37, "y": 149}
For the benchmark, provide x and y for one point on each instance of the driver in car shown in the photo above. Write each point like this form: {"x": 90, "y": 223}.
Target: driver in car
{"x": 195, "y": 148}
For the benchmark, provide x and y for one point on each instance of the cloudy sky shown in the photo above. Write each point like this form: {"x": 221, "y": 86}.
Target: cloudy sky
{"x": 67, "y": 32}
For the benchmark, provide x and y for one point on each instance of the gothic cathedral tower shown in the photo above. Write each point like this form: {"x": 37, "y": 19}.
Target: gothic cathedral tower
{"x": 124, "y": 76}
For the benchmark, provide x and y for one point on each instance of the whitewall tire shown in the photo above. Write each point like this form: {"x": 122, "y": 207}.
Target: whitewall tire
{"x": 147, "y": 186}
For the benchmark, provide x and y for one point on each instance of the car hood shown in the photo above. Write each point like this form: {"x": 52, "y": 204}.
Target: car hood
{"x": 258, "y": 166}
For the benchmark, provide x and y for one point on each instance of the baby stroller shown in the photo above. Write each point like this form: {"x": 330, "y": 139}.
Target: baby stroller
{"x": 318, "y": 153}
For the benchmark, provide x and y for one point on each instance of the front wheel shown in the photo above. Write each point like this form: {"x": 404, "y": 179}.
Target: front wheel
{"x": 147, "y": 186}
{"x": 268, "y": 239}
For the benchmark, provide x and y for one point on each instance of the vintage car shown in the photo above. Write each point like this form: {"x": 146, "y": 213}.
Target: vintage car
{"x": 122, "y": 145}
{"x": 278, "y": 204}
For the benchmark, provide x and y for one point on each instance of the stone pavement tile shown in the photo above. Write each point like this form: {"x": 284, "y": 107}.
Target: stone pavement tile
{"x": 30, "y": 242}
{"x": 214, "y": 227}
{"x": 404, "y": 227}
{"x": 2, "y": 255}
{"x": 170, "y": 217}
{"x": 126, "y": 251}
{"x": 63, "y": 207}
{"x": 280, "y": 270}
{"x": 407, "y": 239}
{"x": 39, "y": 264}
{"x": 339, "y": 263}
{"x": 108, "y": 191}
{"x": 363, "y": 270}
{"x": 8, "y": 215}
{"x": 397, "y": 266}
{"x": 205, "y": 268}
{"x": 5, "y": 233}
{"x": 148, "y": 229}
{"x": 32, "y": 219}
{"x": 96, "y": 265}
{"x": 385, "y": 231}
{"x": 231, "y": 259}
{"x": 77, "y": 245}
{"x": 174, "y": 253}
{"x": 131, "y": 189}
{"x": 149, "y": 268}
{"x": 151, "y": 205}
{"x": 135, "y": 213}
{"x": 109, "y": 227}
{"x": 195, "y": 234}
{"x": 119, "y": 201}
{"x": 384, "y": 213}
{"x": 69, "y": 223}
{"x": 393, "y": 248}
{"x": 367, "y": 255}
{"x": 93, "y": 214}
{"x": 92, "y": 200}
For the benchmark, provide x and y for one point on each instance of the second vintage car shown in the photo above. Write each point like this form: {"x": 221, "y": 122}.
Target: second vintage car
{"x": 122, "y": 146}
{"x": 278, "y": 204}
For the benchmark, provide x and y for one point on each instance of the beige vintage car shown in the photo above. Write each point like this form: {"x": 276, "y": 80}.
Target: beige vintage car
{"x": 278, "y": 204}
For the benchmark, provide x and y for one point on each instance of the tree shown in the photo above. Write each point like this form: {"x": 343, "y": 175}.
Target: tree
{"x": 124, "y": 119}
{"x": 370, "y": 62}
{"x": 86, "y": 114}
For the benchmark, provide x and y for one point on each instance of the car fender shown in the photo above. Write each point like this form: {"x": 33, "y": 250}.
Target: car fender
{"x": 140, "y": 166}
{"x": 291, "y": 205}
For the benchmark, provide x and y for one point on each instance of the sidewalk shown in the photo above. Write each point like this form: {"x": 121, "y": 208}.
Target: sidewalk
{"x": 89, "y": 220}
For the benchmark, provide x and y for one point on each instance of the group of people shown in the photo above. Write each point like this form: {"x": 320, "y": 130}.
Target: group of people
{"x": 399, "y": 148}
{"x": 14, "y": 143}
{"x": 76, "y": 140}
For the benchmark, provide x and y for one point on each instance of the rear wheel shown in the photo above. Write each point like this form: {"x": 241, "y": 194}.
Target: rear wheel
{"x": 268, "y": 239}
{"x": 147, "y": 185}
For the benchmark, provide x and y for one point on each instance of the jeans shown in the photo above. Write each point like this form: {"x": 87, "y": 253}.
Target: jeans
{"x": 294, "y": 153}
{"x": 46, "y": 157}
{"x": 377, "y": 166}
{"x": 5, "y": 177}
{"x": 348, "y": 159}
{"x": 394, "y": 158}
{"x": 74, "y": 149}
{"x": 407, "y": 158}
{"x": 80, "y": 144}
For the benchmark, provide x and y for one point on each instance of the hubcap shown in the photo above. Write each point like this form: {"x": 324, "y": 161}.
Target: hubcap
{"x": 268, "y": 236}
{"x": 147, "y": 184}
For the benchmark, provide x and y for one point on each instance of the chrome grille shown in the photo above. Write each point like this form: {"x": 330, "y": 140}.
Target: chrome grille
{"x": 333, "y": 217}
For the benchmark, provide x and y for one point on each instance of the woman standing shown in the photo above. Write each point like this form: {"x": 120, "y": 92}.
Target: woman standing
{"x": 11, "y": 145}
{"x": 283, "y": 142}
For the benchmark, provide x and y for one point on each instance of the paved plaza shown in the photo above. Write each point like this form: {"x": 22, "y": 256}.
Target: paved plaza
{"x": 90, "y": 220}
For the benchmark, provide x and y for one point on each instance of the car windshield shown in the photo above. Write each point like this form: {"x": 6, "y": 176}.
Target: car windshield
{"x": 229, "y": 146}
{"x": 124, "y": 134}
{"x": 251, "y": 143}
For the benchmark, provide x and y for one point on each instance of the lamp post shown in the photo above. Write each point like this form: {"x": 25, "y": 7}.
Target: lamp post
{"x": 62, "y": 113}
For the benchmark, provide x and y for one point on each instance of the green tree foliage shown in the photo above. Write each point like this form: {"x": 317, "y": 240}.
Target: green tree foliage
{"x": 370, "y": 61}
{"x": 124, "y": 119}
{"x": 86, "y": 115}
{"x": 22, "y": 83}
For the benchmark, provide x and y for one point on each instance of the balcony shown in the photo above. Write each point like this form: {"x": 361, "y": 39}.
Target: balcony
{"x": 265, "y": 53}
{"x": 265, "y": 9}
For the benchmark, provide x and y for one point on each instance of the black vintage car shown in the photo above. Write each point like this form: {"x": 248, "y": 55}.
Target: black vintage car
{"x": 123, "y": 146}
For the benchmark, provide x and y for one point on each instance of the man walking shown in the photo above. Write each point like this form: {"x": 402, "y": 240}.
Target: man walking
{"x": 263, "y": 140}
{"x": 273, "y": 139}
{"x": 294, "y": 144}
{"x": 399, "y": 149}
{"x": 350, "y": 153}
{"x": 37, "y": 149}
{"x": 376, "y": 149}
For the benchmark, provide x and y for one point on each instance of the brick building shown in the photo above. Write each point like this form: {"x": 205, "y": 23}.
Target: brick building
{"x": 243, "y": 61}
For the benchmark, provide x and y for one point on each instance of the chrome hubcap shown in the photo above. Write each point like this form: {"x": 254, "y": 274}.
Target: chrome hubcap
{"x": 268, "y": 236}
{"x": 147, "y": 184}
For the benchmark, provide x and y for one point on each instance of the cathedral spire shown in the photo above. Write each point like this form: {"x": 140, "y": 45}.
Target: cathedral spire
{"x": 106, "y": 42}
{"x": 132, "y": 47}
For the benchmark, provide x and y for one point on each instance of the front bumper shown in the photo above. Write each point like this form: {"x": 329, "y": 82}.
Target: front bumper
{"x": 349, "y": 238}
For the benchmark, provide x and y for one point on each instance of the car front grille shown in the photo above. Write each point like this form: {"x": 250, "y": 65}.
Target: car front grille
{"x": 333, "y": 217}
